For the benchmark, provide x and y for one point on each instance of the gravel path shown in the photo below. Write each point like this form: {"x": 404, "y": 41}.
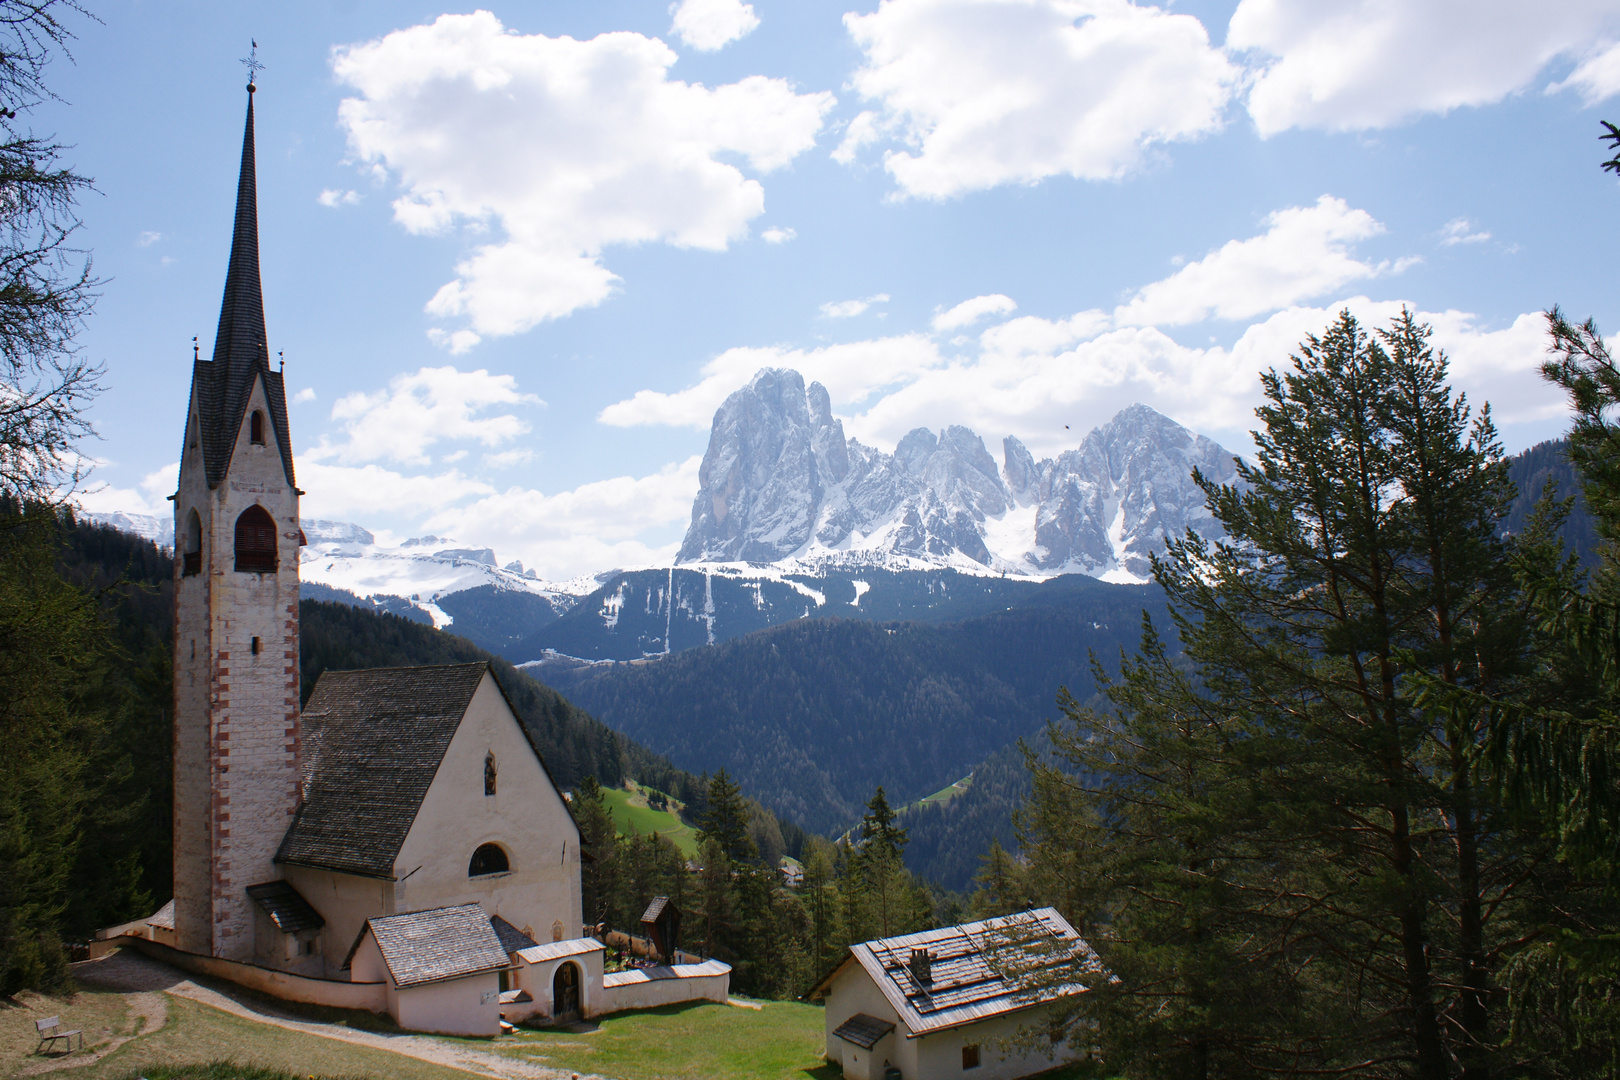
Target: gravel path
{"x": 144, "y": 981}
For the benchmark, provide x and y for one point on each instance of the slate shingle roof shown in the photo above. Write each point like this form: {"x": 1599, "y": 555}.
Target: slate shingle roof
{"x": 978, "y": 969}
{"x": 286, "y": 908}
{"x": 222, "y": 386}
{"x": 372, "y": 742}
{"x": 512, "y": 939}
{"x": 431, "y": 946}
{"x": 863, "y": 1030}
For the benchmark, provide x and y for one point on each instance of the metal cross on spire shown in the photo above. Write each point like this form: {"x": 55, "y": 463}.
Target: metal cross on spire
{"x": 251, "y": 62}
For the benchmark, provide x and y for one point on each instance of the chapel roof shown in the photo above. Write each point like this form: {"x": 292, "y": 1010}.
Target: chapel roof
{"x": 372, "y": 743}
{"x": 222, "y": 386}
{"x": 977, "y": 970}
{"x": 431, "y": 946}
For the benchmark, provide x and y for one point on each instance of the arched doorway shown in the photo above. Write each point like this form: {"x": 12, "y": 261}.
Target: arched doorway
{"x": 565, "y": 993}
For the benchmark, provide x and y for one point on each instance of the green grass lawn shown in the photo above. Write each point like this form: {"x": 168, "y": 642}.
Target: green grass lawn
{"x": 778, "y": 1041}
{"x": 630, "y": 810}
{"x": 946, "y": 794}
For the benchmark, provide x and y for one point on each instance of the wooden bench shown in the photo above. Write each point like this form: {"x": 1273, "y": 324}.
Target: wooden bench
{"x": 50, "y": 1030}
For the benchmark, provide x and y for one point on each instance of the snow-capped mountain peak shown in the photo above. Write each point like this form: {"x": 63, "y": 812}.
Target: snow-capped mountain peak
{"x": 780, "y": 482}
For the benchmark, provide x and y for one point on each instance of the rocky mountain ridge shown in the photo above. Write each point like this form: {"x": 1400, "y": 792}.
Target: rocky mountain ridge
{"x": 781, "y": 482}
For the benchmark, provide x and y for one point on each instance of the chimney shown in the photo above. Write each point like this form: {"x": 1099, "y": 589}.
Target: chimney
{"x": 920, "y": 967}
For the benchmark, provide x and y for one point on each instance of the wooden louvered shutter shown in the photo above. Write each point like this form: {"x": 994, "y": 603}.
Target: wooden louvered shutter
{"x": 256, "y": 541}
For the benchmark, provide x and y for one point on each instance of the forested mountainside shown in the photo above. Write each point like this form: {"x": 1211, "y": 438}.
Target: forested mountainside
{"x": 1530, "y": 471}
{"x": 948, "y": 840}
{"x": 812, "y": 716}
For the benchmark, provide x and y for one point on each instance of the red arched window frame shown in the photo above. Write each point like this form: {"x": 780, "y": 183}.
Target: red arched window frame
{"x": 256, "y": 541}
{"x": 256, "y": 428}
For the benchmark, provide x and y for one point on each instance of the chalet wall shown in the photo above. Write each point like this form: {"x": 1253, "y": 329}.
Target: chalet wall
{"x": 1000, "y": 1058}
{"x": 851, "y": 992}
{"x": 526, "y": 817}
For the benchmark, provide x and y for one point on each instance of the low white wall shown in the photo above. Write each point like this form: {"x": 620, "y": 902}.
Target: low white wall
{"x": 647, "y": 988}
{"x": 469, "y": 1006}
{"x": 370, "y": 996}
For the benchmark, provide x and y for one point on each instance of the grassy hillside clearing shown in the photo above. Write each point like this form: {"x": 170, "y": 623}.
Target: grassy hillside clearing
{"x": 630, "y": 811}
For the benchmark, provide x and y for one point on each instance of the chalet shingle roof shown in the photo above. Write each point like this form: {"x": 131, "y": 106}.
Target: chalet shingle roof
{"x": 863, "y": 1030}
{"x": 431, "y": 946}
{"x": 372, "y": 742}
{"x": 977, "y": 970}
{"x": 286, "y": 908}
{"x": 222, "y": 386}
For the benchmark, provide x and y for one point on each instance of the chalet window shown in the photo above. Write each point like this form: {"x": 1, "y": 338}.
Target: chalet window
{"x": 256, "y": 428}
{"x": 256, "y": 541}
{"x": 191, "y": 553}
{"x": 970, "y": 1056}
{"x": 488, "y": 859}
{"x": 489, "y": 774}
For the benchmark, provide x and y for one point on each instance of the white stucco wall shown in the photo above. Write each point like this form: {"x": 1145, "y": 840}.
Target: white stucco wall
{"x": 650, "y": 988}
{"x": 236, "y": 712}
{"x": 468, "y": 1006}
{"x": 537, "y": 979}
{"x": 526, "y": 817}
{"x": 345, "y": 901}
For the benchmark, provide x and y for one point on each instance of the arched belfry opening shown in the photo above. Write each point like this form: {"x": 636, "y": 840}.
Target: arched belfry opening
{"x": 256, "y": 428}
{"x": 489, "y": 773}
{"x": 191, "y": 546}
{"x": 256, "y": 541}
{"x": 488, "y": 859}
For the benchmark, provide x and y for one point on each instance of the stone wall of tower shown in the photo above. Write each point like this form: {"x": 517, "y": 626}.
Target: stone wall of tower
{"x": 236, "y": 709}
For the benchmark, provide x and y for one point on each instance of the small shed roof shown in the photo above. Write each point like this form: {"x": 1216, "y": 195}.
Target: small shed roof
{"x": 286, "y": 908}
{"x": 978, "y": 970}
{"x": 655, "y": 909}
{"x": 863, "y": 1030}
{"x": 423, "y": 947}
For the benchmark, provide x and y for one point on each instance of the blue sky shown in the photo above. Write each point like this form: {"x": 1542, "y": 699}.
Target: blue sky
{"x": 515, "y": 258}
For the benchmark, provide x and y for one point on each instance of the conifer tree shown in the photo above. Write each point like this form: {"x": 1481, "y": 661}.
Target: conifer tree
{"x": 878, "y": 828}
{"x": 726, "y": 819}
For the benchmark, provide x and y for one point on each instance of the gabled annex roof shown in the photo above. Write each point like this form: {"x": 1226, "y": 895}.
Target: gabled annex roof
{"x": 422, "y": 947}
{"x": 512, "y": 939}
{"x": 372, "y": 744}
{"x": 978, "y": 970}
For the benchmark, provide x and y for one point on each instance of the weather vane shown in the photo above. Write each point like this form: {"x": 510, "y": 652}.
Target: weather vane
{"x": 252, "y": 64}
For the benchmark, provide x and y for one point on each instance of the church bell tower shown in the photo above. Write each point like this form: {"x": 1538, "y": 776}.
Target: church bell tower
{"x": 236, "y": 739}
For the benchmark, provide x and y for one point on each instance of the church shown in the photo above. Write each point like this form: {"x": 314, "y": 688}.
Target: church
{"x": 397, "y": 844}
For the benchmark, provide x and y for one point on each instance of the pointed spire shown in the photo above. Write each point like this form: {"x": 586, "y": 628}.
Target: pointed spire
{"x": 241, "y": 341}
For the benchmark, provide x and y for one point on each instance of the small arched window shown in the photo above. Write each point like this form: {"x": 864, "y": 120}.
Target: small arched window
{"x": 256, "y": 541}
{"x": 191, "y": 550}
{"x": 489, "y": 774}
{"x": 256, "y": 428}
{"x": 488, "y": 859}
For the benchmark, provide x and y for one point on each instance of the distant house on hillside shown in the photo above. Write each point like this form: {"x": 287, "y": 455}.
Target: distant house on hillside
{"x": 937, "y": 1004}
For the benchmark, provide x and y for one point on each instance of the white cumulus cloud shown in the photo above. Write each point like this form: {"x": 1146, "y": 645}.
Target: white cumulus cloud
{"x": 422, "y": 408}
{"x": 1461, "y": 231}
{"x": 335, "y": 197}
{"x": 971, "y": 311}
{"x": 986, "y": 92}
{"x": 707, "y": 25}
{"x": 1305, "y": 252}
{"x": 559, "y": 148}
{"x": 848, "y": 309}
{"x": 778, "y": 235}
{"x": 1596, "y": 78}
{"x": 1347, "y": 65}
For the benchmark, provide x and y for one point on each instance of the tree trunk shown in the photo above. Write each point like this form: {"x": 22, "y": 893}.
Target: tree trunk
{"x": 1431, "y": 1054}
{"x": 1473, "y": 1004}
